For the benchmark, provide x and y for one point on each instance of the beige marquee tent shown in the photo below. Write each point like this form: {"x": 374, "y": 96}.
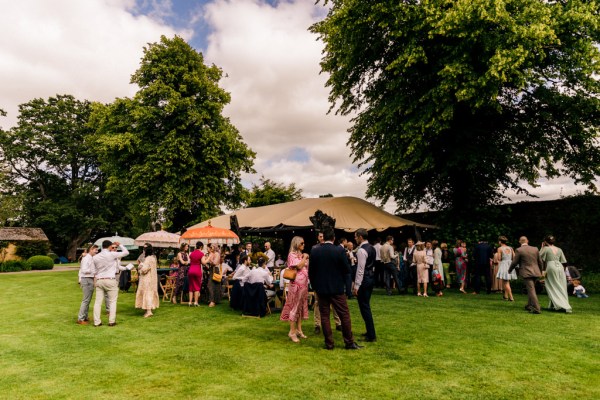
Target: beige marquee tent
{"x": 350, "y": 213}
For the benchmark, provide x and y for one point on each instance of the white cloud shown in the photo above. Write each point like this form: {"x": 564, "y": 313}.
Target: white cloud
{"x": 279, "y": 100}
{"x": 85, "y": 48}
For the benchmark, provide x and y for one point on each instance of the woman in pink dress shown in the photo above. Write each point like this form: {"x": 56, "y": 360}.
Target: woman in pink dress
{"x": 195, "y": 274}
{"x": 296, "y": 305}
{"x": 461, "y": 260}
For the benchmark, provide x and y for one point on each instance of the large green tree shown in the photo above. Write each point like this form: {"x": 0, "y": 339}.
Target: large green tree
{"x": 457, "y": 101}
{"x": 169, "y": 149}
{"x": 51, "y": 172}
{"x": 268, "y": 192}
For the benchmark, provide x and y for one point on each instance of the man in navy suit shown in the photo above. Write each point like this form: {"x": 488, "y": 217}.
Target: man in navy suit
{"x": 328, "y": 269}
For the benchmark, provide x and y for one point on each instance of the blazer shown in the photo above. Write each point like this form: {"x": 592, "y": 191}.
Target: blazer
{"x": 328, "y": 270}
{"x": 529, "y": 260}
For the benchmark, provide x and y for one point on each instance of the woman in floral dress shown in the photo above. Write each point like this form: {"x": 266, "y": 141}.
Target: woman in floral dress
{"x": 296, "y": 304}
{"x": 461, "y": 259}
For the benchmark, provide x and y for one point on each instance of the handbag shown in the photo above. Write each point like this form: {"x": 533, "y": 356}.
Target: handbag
{"x": 217, "y": 277}
{"x": 289, "y": 274}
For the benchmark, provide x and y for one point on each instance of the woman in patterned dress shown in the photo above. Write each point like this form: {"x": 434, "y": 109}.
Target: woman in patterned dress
{"x": 296, "y": 304}
{"x": 146, "y": 296}
{"x": 183, "y": 260}
{"x": 461, "y": 259}
{"x": 506, "y": 255}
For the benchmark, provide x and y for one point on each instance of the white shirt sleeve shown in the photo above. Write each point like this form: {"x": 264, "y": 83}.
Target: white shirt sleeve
{"x": 361, "y": 255}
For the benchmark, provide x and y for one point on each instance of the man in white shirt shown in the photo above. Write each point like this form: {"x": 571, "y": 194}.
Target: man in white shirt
{"x": 104, "y": 273}
{"x": 391, "y": 272}
{"x": 242, "y": 271}
{"x": 364, "y": 281}
{"x": 86, "y": 280}
{"x": 270, "y": 256}
{"x": 260, "y": 275}
{"x": 379, "y": 270}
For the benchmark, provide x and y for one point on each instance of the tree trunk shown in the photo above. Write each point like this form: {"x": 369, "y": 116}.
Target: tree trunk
{"x": 74, "y": 244}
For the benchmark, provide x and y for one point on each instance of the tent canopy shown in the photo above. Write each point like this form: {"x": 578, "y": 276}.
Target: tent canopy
{"x": 350, "y": 213}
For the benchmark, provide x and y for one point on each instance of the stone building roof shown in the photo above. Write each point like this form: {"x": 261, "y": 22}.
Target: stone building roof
{"x": 20, "y": 234}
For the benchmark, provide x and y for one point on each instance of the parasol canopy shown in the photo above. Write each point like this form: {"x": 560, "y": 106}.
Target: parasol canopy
{"x": 129, "y": 243}
{"x": 209, "y": 234}
{"x": 158, "y": 239}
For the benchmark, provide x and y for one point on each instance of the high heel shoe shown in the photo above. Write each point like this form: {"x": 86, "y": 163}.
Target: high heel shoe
{"x": 196, "y": 305}
{"x": 301, "y": 334}
{"x": 294, "y": 338}
{"x": 511, "y": 299}
{"x": 462, "y": 291}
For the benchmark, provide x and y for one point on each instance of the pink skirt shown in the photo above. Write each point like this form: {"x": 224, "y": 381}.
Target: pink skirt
{"x": 194, "y": 278}
{"x": 296, "y": 304}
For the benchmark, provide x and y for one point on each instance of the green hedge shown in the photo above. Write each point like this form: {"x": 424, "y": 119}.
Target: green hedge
{"x": 40, "y": 262}
{"x": 14, "y": 266}
{"x": 30, "y": 248}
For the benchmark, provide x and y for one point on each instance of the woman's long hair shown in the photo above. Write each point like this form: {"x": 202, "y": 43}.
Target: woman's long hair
{"x": 296, "y": 240}
{"x": 148, "y": 250}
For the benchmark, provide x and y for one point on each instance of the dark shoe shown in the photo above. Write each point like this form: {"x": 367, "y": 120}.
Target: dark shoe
{"x": 317, "y": 330}
{"x": 100, "y": 324}
{"x": 534, "y": 312}
{"x": 112, "y": 324}
{"x": 327, "y": 347}
{"x": 82, "y": 322}
{"x": 338, "y": 327}
{"x": 86, "y": 320}
{"x": 528, "y": 308}
{"x": 353, "y": 346}
{"x": 370, "y": 340}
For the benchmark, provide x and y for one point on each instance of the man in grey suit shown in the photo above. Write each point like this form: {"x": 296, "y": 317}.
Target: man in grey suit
{"x": 529, "y": 263}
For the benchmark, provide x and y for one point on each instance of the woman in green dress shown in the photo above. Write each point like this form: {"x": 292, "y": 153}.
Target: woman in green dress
{"x": 556, "y": 281}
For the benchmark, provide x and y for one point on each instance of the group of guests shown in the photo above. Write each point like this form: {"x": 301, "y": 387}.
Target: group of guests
{"x": 214, "y": 270}
{"x": 336, "y": 272}
{"x": 99, "y": 272}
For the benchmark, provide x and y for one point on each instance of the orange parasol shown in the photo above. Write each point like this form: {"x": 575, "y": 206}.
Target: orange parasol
{"x": 209, "y": 234}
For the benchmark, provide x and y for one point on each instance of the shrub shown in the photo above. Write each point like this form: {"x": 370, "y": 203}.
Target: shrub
{"x": 14, "y": 266}
{"x": 29, "y": 248}
{"x": 591, "y": 282}
{"x": 40, "y": 262}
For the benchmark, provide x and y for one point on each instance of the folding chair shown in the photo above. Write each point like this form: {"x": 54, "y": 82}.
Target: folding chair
{"x": 168, "y": 287}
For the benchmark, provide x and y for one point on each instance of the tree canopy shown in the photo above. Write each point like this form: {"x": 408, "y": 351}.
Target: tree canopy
{"x": 457, "y": 101}
{"x": 169, "y": 149}
{"x": 269, "y": 192}
{"x": 51, "y": 174}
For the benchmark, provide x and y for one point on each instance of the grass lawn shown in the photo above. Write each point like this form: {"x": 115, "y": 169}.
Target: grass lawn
{"x": 458, "y": 346}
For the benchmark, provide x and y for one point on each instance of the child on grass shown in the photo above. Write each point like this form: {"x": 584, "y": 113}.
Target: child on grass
{"x": 579, "y": 290}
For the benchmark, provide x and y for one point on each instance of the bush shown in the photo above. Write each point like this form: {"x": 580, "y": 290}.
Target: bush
{"x": 14, "y": 266}
{"x": 591, "y": 282}
{"x": 40, "y": 262}
{"x": 29, "y": 248}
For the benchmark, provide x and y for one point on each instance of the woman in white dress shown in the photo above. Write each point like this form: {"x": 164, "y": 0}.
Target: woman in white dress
{"x": 506, "y": 254}
{"x": 146, "y": 296}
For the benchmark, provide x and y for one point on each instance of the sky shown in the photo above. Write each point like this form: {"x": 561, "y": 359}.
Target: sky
{"x": 279, "y": 104}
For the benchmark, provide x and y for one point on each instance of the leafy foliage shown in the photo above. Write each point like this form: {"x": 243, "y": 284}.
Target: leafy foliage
{"x": 14, "y": 266}
{"x": 52, "y": 171}
{"x": 40, "y": 262}
{"x": 270, "y": 192}
{"x": 169, "y": 149}
{"x": 458, "y": 101}
{"x": 29, "y": 248}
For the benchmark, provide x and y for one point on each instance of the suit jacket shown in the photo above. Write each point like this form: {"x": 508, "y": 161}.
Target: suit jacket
{"x": 329, "y": 267}
{"x": 528, "y": 257}
{"x": 482, "y": 255}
